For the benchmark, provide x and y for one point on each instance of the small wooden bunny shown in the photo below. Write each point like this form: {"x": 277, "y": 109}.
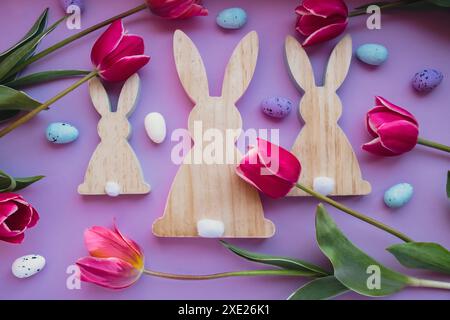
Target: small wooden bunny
{"x": 322, "y": 147}
{"x": 114, "y": 168}
{"x": 210, "y": 200}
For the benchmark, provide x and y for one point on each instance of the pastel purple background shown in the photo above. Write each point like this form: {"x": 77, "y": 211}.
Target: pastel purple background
{"x": 415, "y": 39}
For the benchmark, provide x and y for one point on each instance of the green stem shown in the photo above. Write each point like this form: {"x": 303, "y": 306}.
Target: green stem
{"x": 76, "y": 36}
{"x": 354, "y": 213}
{"x": 414, "y": 282}
{"x": 433, "y": 144}
{"x": 34, "y": 112}
{"x": 245, "y": 273}
{"x": 388, "y": 5}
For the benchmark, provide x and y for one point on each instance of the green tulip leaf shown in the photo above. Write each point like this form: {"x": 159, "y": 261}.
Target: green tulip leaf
{"x": 10, "y": 65}
{"x": 422, "y": 255}
{"x": 281, "y": 262}
{"x": 8, "y": 114}
{"x": 11, "y": 99}
{"x": 448, "y": 184}
{"x": 45, "y": 76}
{"x": 8, "y": 183}
{"x": 441, "y": 3}
{"x": 352, "y": 267}
{"x": 319, "y": 289}
{"x": 37, "y": 28}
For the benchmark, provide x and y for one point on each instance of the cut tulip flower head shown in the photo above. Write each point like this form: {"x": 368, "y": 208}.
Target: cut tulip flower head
{"x": 395, "y": 130}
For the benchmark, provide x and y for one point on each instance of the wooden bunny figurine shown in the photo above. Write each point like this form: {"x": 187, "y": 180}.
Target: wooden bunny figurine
{"x": 114, "y": 168}
{"x": 209, "y": 199}
{"x": 322, "y": 147}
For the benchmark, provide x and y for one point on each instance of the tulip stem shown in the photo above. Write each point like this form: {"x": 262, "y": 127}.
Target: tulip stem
{"x": 433, "y": 144}
{"x": 245, "y": 273}
{"x": 354, "y": 213}
{"x": 414, "y": 282}
{"x": 76, "y": 36}
{"x": 25, "y": 118}
{"x": 387, "y": 5}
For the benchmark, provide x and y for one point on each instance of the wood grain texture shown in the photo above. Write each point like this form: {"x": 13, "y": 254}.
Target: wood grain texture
{"x": 203, "y": 190}
{"x": 322, "y": 147}
{"x": 114, "y": 160}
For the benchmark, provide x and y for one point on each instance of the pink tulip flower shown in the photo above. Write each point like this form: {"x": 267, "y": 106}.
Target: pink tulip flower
{"x": 177, "y": 9}
{"x": 16, "y": 216}
{"x": 117, "y": 55}
{"x": 395, "y": 130}
{"x": 322, "y": 20}
{"x": 269, "y": 168}
{"x": 115, "y": 261}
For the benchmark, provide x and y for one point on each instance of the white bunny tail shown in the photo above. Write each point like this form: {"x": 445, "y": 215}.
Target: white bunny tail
{"x": 208, "y": 228}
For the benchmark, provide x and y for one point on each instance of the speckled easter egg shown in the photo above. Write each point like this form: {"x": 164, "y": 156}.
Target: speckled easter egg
{"x": 61, "y": 133}
{"x": 372, "y": 53}
{"x": 398, "y": 195}
{"x": 27, "y": 266}
{"x": 66, "y": 3}
{"x": 277, "y": 107}
{"x": 232, "y": 18}
{"x": 427, "y": 79}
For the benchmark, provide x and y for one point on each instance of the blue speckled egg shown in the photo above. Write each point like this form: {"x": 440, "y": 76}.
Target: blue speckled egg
{"x": 427, "y": 79}
{"x": 277, "y": 107}
{"x": 398, "y": 195}
{"x": 61, "y": 132}
{"x": 66, "y": 3}
{"x": 232, "y": 18}
{"x": 372, "y": 53}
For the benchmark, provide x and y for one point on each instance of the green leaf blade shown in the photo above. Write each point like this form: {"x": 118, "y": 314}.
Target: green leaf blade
{"x": 9, "y": 183}
{"x": 319, "y": 289}
{"x": 44, "y": 76}
{"x": 441, "y": 3}
{"x": 11, "y": 99}
{"x": 351, "y": 264}
{"x": 448, "y": 184}
{"x": 37, "y": 28}
{"x": 422, "y": 255}
{"x": 281, "y": 262}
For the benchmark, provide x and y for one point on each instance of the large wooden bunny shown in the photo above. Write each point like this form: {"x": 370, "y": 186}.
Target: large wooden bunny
{"x": 210, "y": 199}
{"x": 114, "y": 168}
{"x": 322, "y": 147}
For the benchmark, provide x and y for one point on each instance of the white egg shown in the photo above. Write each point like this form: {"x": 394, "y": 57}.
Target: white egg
{"x": 155, "y": 125}
{"x": 208, "y": 228}
{"x": 27, "y": 266}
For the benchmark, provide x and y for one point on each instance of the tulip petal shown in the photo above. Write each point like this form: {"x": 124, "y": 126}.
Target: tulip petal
{"x": 375, "y": 147}
{"x": 17, "y": 239}
{"x": 301, "y": 11}
{"x": 9, "y": 196}
{"x": 105, "y": 243}
{"x": 379, "y": 115}
{"x": 326, "y": 8}
{"x": 111, "y": 273}
{"x": 177, "y": 9}
{"x": 107, "y": 42}
{"x": 124, "y": 68}
{"x": 34, "y": 219}
{"x": 381, "y": 101}
{"x": 399, "y": 136}
{"x": 326, "y": 33}
{"x": 21, "y": 218}
{"x": 309, "y": 24}
{"x": 269, "y": 168}
{"x": 7, "y": 209}
{"x": 130, "y": 45}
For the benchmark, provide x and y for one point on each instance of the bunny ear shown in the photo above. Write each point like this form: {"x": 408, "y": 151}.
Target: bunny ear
{"x": 339, "y": 63}
{"x": 299, "y": 64}
{"x": 99, "y": 96}
{"x": 129, "y": 95}
{"x": 190, "y": 67}
{"x": 240, "y": 68}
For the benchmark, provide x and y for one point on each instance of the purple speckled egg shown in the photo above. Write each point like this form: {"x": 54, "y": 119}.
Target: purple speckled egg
{"x": 66, "y": 3}
{"x": 276, "y": 107}
{"x": 426, "y": 80}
